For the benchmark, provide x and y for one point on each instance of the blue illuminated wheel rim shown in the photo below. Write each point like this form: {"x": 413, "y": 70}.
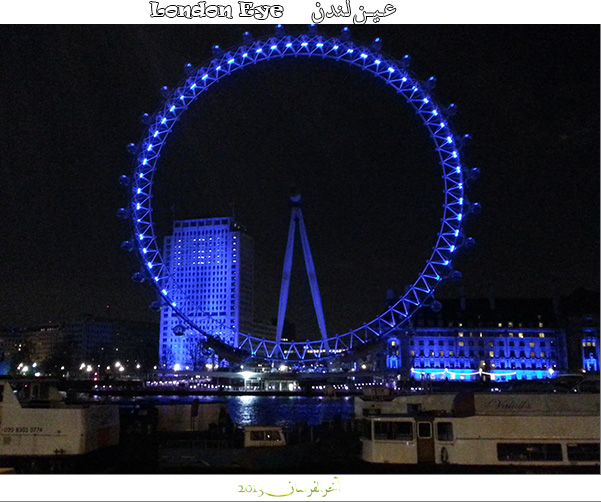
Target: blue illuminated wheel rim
{"x": 312, "y": 45}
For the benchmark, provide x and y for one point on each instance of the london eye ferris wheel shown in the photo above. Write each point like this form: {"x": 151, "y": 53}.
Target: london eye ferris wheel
{"x": 311, "y": 45}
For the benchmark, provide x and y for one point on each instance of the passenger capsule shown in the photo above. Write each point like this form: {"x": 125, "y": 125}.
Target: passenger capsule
{"x": 247, "y": 38}
{"x": 123, "y": 213}
{"x": 138, "y": 277}
{"x": 430, "y": 84}
{"x": 456, "y": 276}
{"x": 451, "y": 110}
{"x": 124, "y": 180}
{"x": 132, "y": 148}
{"x": 127, "y": 246}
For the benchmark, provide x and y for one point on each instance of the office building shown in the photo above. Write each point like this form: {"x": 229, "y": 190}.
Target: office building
{"x": 210, "y": 263}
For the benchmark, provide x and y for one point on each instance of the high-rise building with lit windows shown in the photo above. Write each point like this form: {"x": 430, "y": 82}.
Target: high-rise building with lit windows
{"x": 210, "y": 263}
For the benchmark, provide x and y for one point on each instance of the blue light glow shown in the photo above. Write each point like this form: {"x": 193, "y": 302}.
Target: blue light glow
{"x": 301, "y": 46}
{"x": 148, "y": 264}
{"x": 164, "y": 291}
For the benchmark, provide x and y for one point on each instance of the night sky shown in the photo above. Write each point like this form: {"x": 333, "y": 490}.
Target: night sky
{"x": 71, "y": 101}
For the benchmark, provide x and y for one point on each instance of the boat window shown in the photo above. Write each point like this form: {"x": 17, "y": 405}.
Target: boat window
{"x": 399, "y": 431}
{"x": 583, "y": 451}
{"x": 424, "y": 430}
{"x": 265, "y": 436}
{"x": 444, "y": 431}
{"x": 257, "y": 435}
{"x": 272, "y": 436}
{"x": 527, "y": 452}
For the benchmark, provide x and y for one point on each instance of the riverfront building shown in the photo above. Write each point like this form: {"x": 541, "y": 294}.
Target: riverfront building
{"x": 496, "y": 339}
{"x": 210, "y": 263}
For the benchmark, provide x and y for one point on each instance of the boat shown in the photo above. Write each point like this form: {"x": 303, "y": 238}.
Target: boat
{"x": 40, "y": 430}
{"x": 487, "y": 429}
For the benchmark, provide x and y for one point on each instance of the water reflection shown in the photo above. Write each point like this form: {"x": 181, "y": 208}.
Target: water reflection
{"x": 287, "y": 411}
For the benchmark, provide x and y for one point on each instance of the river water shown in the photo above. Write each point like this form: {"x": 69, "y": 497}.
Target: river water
{"x": 286, "y": 411}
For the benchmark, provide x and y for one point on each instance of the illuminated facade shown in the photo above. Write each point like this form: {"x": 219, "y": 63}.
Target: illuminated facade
{"x": 485, "y": 339}
{"x": 210, "y": 263}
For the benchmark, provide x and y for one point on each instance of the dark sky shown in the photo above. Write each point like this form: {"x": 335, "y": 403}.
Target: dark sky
{"x": 71, "y": 101}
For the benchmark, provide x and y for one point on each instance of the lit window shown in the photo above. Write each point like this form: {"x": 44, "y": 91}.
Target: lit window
{"x": 461, "y": 344}
{"x": 532, "y": 354}
{"x": 491, "y": 353}
{"x": 521, "y": 335}
{"x": 541, "y": 335}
